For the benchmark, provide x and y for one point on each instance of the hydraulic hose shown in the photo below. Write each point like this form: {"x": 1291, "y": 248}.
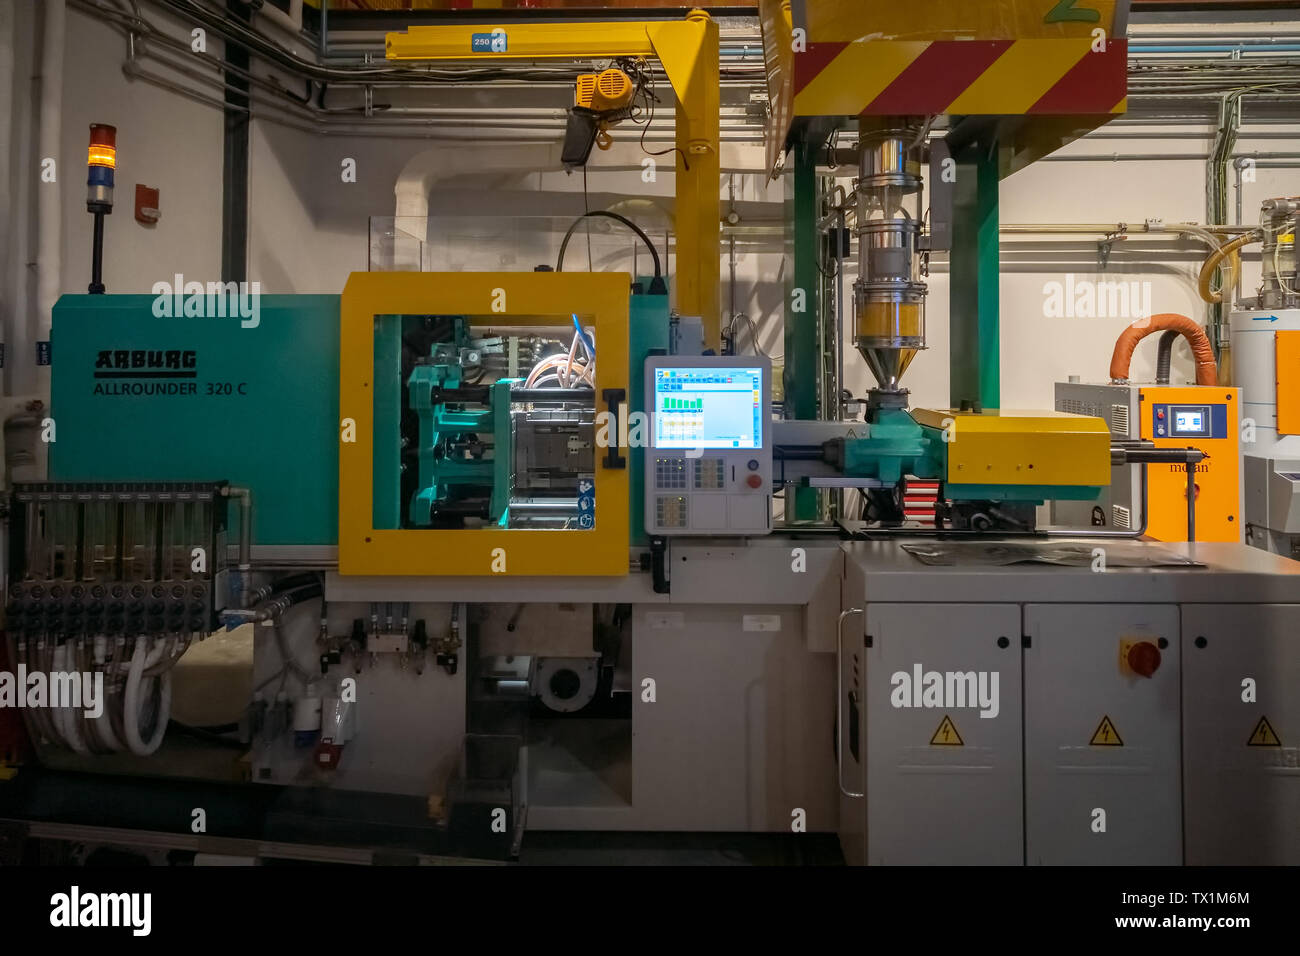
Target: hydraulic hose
{"x": 287, "y": 599}
{"x": 171, "y": 656}
{"x": 64, "y": 663}
{"x": 104, "y": 723}
{"x": 44, "y": 659}
{"x": 38, "y": 728}
{"x": 115, "y": 691}
{"x": 269, "y": 610}
{"x": 1207, "y": 372}
{"x": 131, "y": 703}
{"x": 96, "y": 661}
{"x": 54, "y": 656}
{"x": 1229, "y": 250}
{"x": 88, "y": 726}
{"x": 605, "y": 214}
{"x": 131, "y": 695}
{"x": 289, "y": 583}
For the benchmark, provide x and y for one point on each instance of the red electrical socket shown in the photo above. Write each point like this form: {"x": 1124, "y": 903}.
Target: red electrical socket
{"x": 328, "y": 754}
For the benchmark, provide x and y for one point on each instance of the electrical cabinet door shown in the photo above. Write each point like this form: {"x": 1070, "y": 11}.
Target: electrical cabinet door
{"x": 851, "y": 752}
{"x": 1102, "y": 734}
{"x": 736, "y": 734}
{"x": 1241, "y": 734}
{"x": 943, "y": 779}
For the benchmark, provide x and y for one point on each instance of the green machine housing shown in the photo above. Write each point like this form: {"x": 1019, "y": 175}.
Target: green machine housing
{"x": 143, "y": 397}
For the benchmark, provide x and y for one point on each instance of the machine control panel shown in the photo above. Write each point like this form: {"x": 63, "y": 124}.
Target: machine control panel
{"x": 1194, "y": 416}
{"x": 1189, "y": 421}
{"x": 709, "y": 464}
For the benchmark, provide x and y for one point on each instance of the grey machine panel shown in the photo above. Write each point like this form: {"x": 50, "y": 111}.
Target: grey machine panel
{"x": 1272, "y": 495}
{"x": 930, "y": 799}
{"x": 1241, "y": 757}
{"x": 1080, "y": 775}
{"x": 1231, "y": 573}
{"x": 850, "y": 719}
{"x": 734, "y": 738}
{"x": 737, "y": 735}
{"x": 1119, "y": 505}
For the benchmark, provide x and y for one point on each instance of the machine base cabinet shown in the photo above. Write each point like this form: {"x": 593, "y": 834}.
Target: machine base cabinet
{"x": 942, "y": 731}
{"x": 1241, "y": 734}
{"x": 1064, "y": 733}
{"x": 1101, "y": 734}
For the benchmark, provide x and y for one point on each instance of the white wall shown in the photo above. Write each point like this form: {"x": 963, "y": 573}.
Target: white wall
{"x": 309, "y": 229}
{"x": 1037, "y": 350}
{"x": 164, "y": 140}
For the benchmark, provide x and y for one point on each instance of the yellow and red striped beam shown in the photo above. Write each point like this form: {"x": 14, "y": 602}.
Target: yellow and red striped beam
{"x": 1054, "y": 59}
{"x": 1058, "y": 76}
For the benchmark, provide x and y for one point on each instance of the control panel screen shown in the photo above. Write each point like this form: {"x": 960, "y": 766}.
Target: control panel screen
{"x": 1190, "y": 421}
{"x": 700, "y": 407}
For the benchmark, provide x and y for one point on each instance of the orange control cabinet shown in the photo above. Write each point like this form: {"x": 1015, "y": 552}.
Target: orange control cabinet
{"x": 1194, "y": 416}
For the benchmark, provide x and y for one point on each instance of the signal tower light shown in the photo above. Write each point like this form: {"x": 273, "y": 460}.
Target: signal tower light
{"x": 101, "y": 160}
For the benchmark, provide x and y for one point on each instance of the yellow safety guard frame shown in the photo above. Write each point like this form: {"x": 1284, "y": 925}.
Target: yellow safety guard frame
{"x": 543, "y": 298}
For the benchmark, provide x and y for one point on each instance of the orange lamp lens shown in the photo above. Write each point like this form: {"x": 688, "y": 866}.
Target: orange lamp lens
{"x": 103, "y": 145}
{"x": 102, "y": 156}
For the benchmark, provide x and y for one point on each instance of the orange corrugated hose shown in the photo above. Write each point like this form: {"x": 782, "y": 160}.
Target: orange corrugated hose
{"x": 1206, "y": 371}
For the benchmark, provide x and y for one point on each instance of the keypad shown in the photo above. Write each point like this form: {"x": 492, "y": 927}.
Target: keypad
{"x": 670, "y": 473}
{"x": 671, "y": 511}
{"x": 709, "y": 474}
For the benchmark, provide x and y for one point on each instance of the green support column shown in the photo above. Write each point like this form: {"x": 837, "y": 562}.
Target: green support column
{"x": 800, "y": 375}
{"x": 974, "y": 358}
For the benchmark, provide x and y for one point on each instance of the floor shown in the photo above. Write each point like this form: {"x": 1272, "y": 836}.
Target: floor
{"x": 680, "y": 849}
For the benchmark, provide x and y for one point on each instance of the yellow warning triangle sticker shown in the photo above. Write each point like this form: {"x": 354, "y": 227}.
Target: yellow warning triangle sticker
{"x": 1263, "y": 735}
{"x": 1106, "y": 735}
{"x": 946, "y": 735}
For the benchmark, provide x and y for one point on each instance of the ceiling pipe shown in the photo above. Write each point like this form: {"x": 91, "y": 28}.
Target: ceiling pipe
{"x": 1121, "y": 228}
{"x": 1216, "y": 198}
{"x": 8, "y": 239}
{"x": 265, "y": 48}
{"x": 29, "y": 377}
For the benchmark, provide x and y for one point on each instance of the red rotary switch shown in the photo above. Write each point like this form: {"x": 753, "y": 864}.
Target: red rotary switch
{"x": 1144, "y": 658}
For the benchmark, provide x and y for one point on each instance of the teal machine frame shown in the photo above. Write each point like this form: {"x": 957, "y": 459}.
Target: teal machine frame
{"x": 257, "y": 406}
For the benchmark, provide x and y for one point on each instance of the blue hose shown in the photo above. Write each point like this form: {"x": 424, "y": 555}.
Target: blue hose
{"x": 590, "y": 346}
